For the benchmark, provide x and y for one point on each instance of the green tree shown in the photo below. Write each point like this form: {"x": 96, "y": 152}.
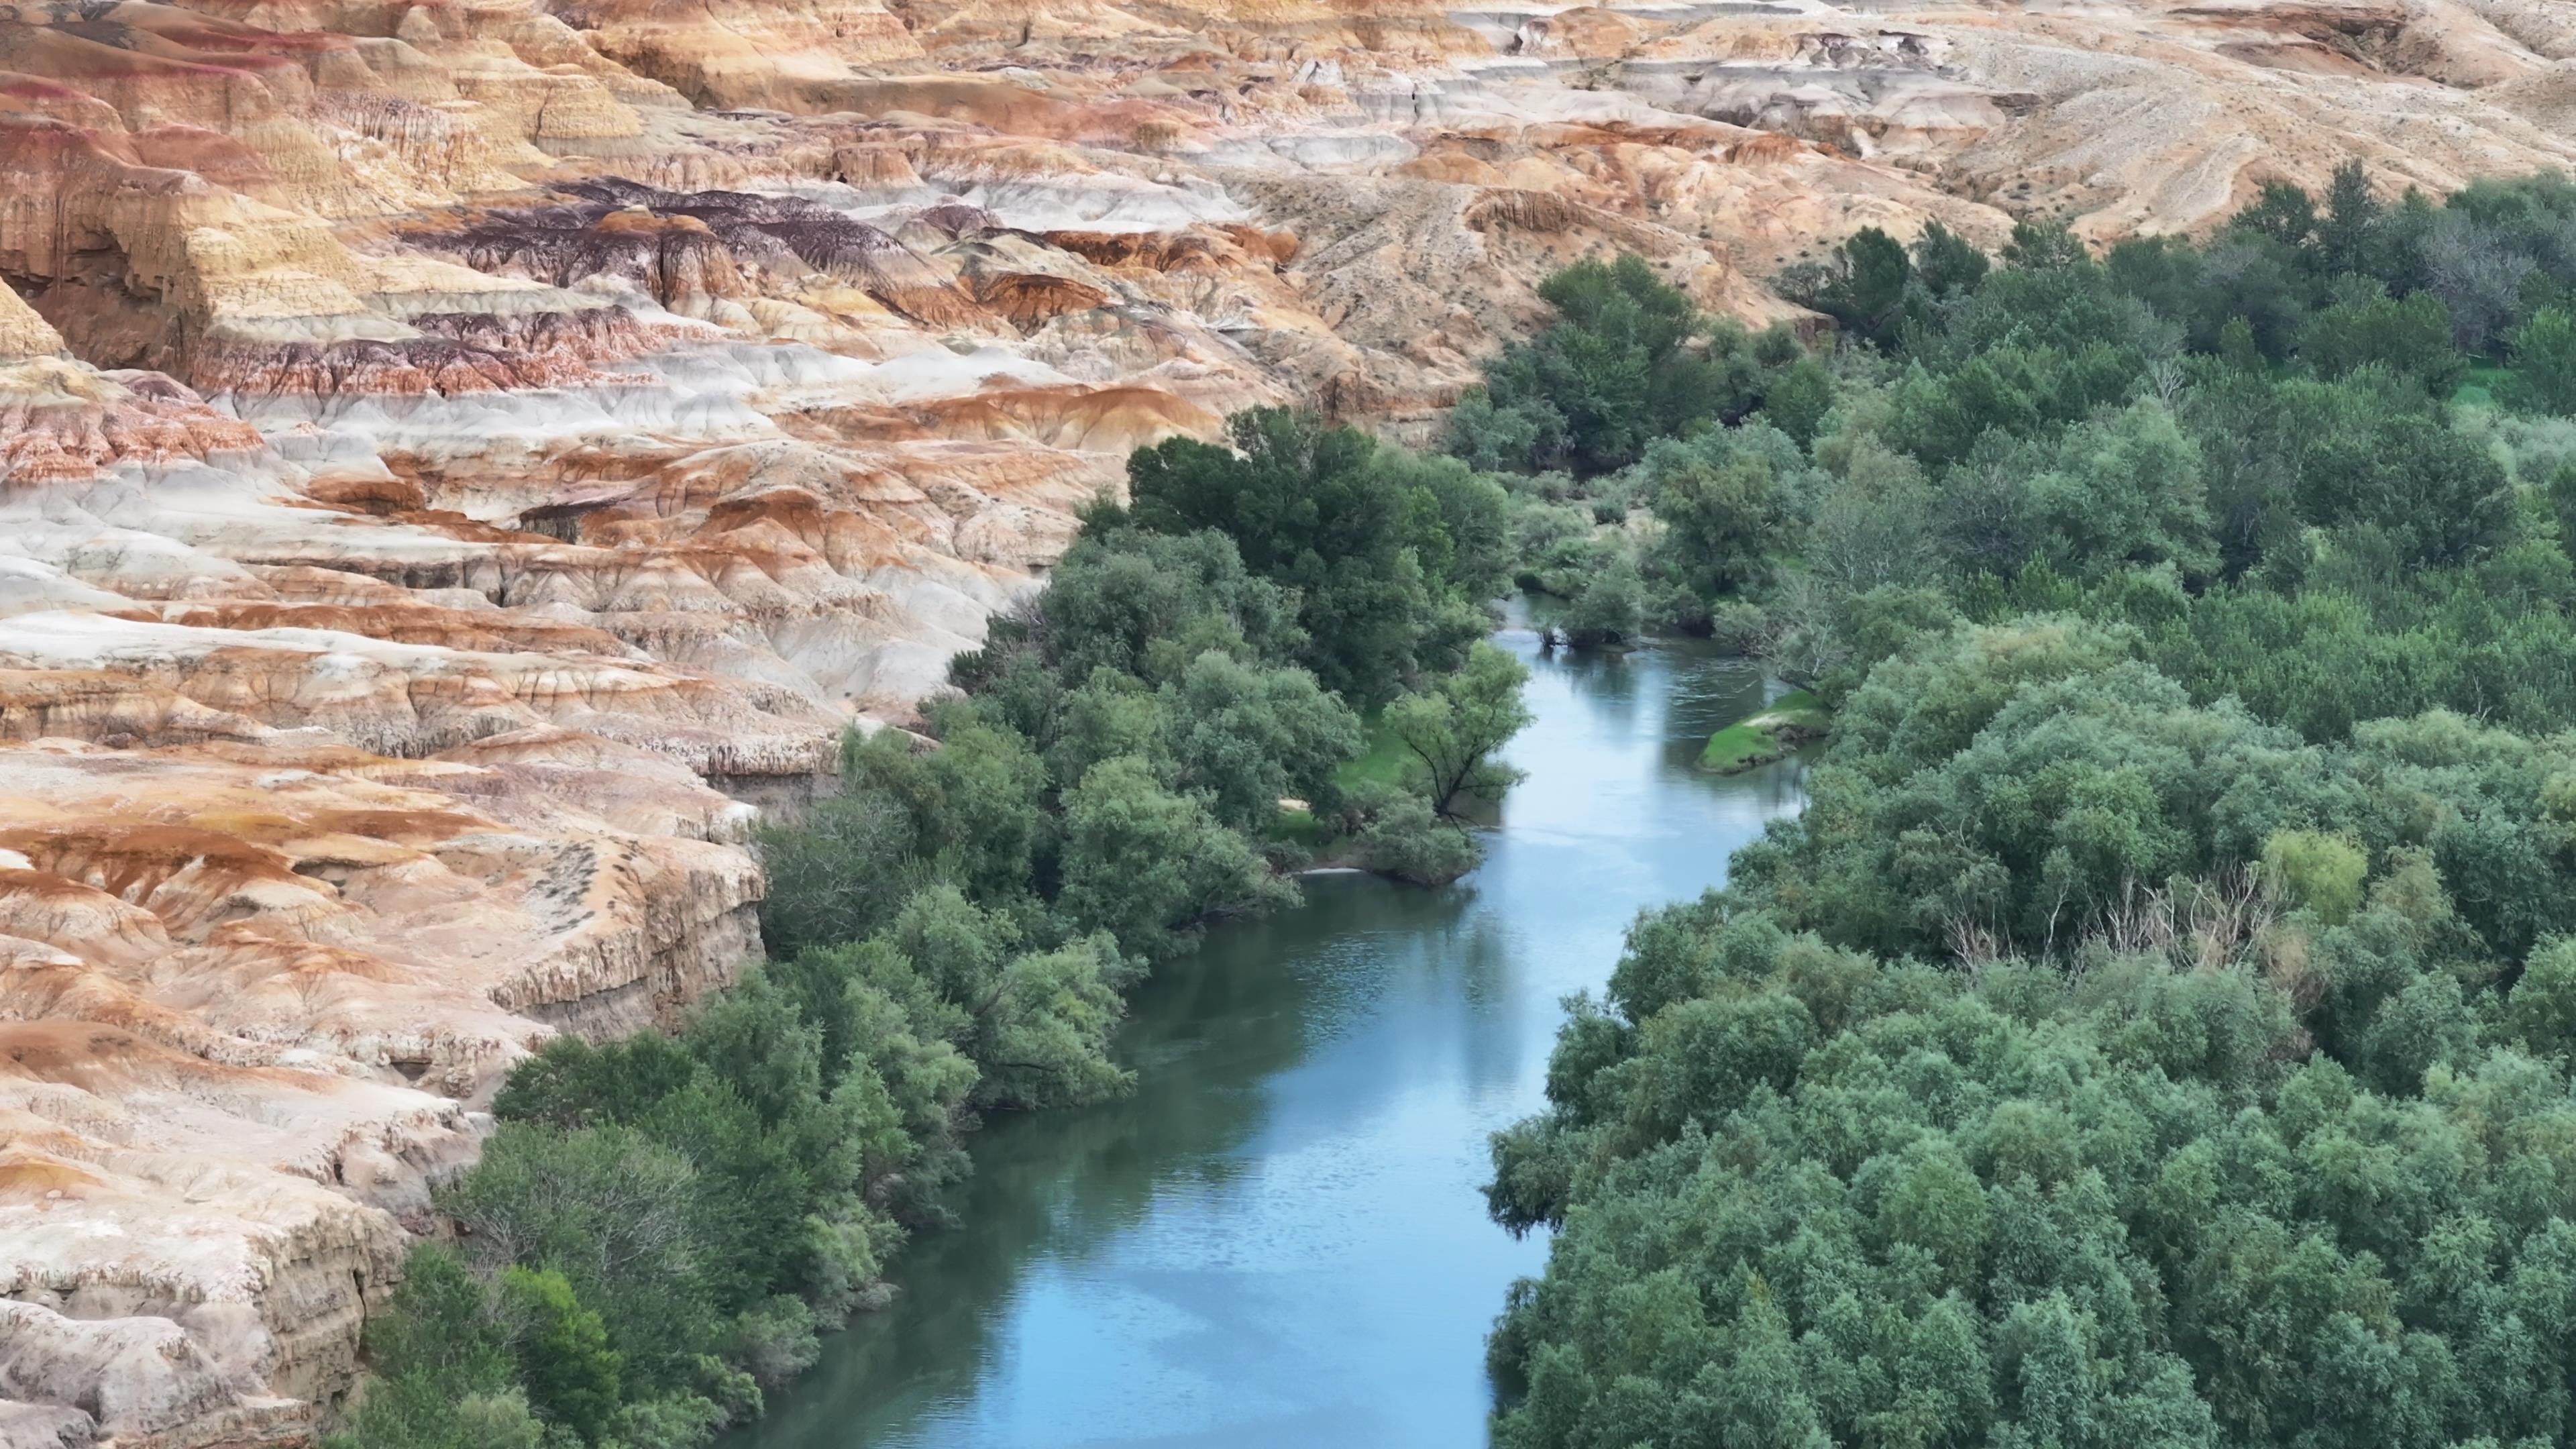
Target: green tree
{"x": 2544, "y": 363}
{"x": 612, "y": 1211}
{"x": 442, "y": 1366}
{"x": 571, "y": 1083}
{"x": 2436, "y": 495}
{"x": 1151, "y": 866}
{"x": 1310, "y": 509}
{"x": 1245, "y": 738}
{"x": 2543, "y": 1002}
{"x": 1864, "y": 282}
{"x": 2120, "y": 492}
{"x": 570, "y": 1372}
{"x": 1525, "y": 433}
{"x": 2352, "y": 235}
{"x": 2284, "y": 214}
{"x": 1614, "y": 371}
{"x": 1453, "y": 731}
{"x": 2410, "y": 337}
{"x": 2320, "y": 872}
{"x": 2040, "y": 247}
{"x": 1111, "y": 714}
{"x": 1043, "y": 1029}
{"x": 1610, "y": 610}
{"x": 1946, "y": 263}
{"x": 1800, "y": 401}
{"x": 839, "y": 872}
{"x": 1146, "y": 604}
{"x": 1725, "y": 516}
{"x": 1403, "y": 838}
{"x": 755, "y": 1040}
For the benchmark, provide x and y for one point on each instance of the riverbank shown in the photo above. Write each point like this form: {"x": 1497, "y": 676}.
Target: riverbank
{"x": 1278, "y": 1237}
{"x": 1768, "y": 734}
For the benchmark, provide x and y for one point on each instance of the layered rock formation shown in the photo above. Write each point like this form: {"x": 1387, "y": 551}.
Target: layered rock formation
{"x": 460, "y": 461}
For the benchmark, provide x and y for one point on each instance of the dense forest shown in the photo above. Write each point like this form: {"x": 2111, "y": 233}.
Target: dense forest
{"x": 660, "y": 1227}
{"x": 2158, "y": 1028}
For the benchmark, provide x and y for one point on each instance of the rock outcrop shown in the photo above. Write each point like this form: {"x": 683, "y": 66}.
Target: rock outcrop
{"x": 461, "y": 461}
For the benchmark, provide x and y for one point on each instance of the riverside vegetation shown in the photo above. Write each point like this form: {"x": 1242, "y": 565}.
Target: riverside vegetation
{"x": 2158, "y": 1030}
{"x": 2157, "y": 1027}
{"x": 659, "y": 1227}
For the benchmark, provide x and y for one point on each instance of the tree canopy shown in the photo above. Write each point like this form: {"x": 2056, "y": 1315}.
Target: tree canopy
{"x": 2157, "y": 1029}
{"x": 1627, "y": 359}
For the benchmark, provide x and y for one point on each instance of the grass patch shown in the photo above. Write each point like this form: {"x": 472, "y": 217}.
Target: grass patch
{"x": 1382, "y": 763}
{"x": 2483, "y": 386}
{"x": 1298, "y": 827}
{"x": 1738, "y": 747}
{"x": 1768, "y": 734}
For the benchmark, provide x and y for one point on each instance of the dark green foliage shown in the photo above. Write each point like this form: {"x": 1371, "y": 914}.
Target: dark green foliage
{"x": 1453, "y": 731}
{"x": 845, "y": 869}
{"x": 1408, "y": 841}
{"x": 1108, "y": 784}
{"x": 2244, "y": 449}
{"x": 2154, "y": 1031}
{"x": 1246, "y": 737}
{"x": 2156, "y": 1028}
{"x": 443, "y": 1367}
{"x": 2120, "y": 492}
{"x": 1384, "y": 555}
{"x": 565, "y": 1363}
{"x": 2283, "y": 214}
{"x": 1149, "y": 864}
{"x": 1617, "y": 369}
{"x": 1940, "y": 416}
{"x": 2356, "y": 235}
{"x": 1800, "y": 401}
{"x": 572, "y": 1084}
{"x": 1610, "y": 610}
{"x": 1724, "y": 505}
{"x": 2544, "y": 363}
{"x": 1946, "y": 263}
{"x": 1303, "y": 506}
{"x": 2411, "y": 338}
{"x": 1145, "y": 604}
{"x": 1810, "y": 1197}
{"x": 618, "y": 1214}
{"x": 2438, "y": 497}
{"x": 1863, "y": 285}
{"x": 2038, "y": 248}
{"x": 969, "y": 812}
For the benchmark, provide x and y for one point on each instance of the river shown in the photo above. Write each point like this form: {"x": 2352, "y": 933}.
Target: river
{"x": 1278, "y": 1238}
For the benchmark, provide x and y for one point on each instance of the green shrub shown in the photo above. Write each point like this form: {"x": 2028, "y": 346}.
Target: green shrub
{"x": 2322, "y": 873}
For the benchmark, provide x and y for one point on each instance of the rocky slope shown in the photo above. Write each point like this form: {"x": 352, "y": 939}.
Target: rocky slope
{"x": 460, "y": 461}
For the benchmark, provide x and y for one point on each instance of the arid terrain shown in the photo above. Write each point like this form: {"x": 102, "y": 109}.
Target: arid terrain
{"x": 460, "y": 463}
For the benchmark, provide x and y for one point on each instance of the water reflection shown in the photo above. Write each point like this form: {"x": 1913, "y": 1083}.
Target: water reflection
{"x": 1278, "y": 1238}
